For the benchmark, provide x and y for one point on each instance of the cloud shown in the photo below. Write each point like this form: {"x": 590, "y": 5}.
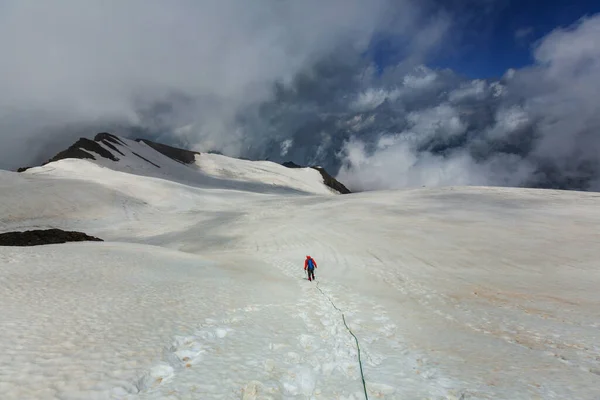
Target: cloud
{"x": 476, "y": 89}
{"x": 373, "y": 98}
{"x": 523, "y": 33}
{"x": 560, "y": 92}
{"x": 294, "y": 81}
{"x": 195, "y": 63}
{"x": 398, "y": 166}
{"x": 537, "y": 127}
{"x": 413, "y": 125}
{"x": 285, "y": 146}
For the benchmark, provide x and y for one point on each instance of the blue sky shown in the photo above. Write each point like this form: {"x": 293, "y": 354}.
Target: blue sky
{"x": 491, "y": 36}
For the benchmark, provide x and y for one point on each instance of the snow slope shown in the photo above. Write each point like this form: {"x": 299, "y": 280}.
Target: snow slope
{"x": 198, "y": 291}
{"x": 206, "y": 170}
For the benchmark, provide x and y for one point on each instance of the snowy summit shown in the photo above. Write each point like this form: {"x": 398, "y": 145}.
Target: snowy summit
{"x": 198, "y": 290}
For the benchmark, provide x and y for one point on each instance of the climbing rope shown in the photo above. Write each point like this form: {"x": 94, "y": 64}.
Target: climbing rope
{"x": 362, "y": 375}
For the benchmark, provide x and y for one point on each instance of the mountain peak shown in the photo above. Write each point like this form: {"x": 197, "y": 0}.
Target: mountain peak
{"x": 162, "y": 160}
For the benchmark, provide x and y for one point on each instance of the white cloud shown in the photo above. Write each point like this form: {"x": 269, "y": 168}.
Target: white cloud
{"x": 285, "y": 146}
{"x": 539, "y": 125}
{"x": 475, "y": 89}
{"x": 81, "y": 62}
{"x": 422, "y": 78}
{"x": 400, "y": 166}
{"x": 498, "y": 89}
{"x": 561, "y": 91}
{"x": 442, "y": 121}
{"x": 203, "y": 72}
{"x": 372, "y": 98}
{"x": 508, "y": 120}
{"x": 523, "y": 33}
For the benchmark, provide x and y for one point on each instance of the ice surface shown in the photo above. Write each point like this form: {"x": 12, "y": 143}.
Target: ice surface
{"x": 199, "y": 292}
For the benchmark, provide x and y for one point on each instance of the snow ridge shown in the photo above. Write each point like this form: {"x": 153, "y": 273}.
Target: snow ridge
{"x": 148, "y": 158}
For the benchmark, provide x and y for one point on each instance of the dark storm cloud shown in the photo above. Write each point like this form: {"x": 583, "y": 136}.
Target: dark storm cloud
{"x": 538, "y": 126}
{"x": 67, "y": 62}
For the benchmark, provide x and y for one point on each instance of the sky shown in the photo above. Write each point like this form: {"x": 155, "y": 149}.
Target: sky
{"x": 384, "y": 93}
{"x": 494, "y": 35}
{"x": 504, "y": 40}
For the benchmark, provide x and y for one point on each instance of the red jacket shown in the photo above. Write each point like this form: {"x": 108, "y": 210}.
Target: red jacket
{"x": 306, "y": 262}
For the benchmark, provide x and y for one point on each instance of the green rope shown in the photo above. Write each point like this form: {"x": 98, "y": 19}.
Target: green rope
{"x": 362, "y": 375}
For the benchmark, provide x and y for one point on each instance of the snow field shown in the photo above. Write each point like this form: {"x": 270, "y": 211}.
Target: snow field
{"x": 76, "y": 316}
{"x": 490, "y": 315}
{"x": 305, "y": 179}
{"x": 297, "y": 347}
{"x": 470, "y": 293}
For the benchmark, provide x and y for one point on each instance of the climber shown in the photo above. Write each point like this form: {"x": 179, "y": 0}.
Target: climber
{"x": 309, "y": 266}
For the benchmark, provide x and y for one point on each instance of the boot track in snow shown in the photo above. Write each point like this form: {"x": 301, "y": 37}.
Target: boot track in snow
{"x": 362, "y": 375}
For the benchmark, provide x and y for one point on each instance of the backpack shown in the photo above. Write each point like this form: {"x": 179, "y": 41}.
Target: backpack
{"x": 311, "y": 264}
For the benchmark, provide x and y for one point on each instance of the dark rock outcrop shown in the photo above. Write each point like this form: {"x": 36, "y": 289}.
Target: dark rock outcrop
{"x": 109, "y": 137}
{"x": 145, "y": 159}
{"x": 291, "y": 164}
{"x": 332, "y": 182}
{"x": 116, "y": 144}
{"x": 110, "y": 141}
{"x": 46, "y": 236}
{"x": 181, "y": 155}
{"x": 77, "y": 150}
{"x": 327, "y": 179}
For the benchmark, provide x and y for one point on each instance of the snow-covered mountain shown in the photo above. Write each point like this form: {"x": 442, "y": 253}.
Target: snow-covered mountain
{"x": 147, "y": 158}
{"x": 198, "y": 290}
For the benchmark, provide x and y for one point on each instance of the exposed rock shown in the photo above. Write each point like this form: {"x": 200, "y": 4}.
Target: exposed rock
{"x": 109, "y": 143}
{"x": 181, "y": 155}
{"x": 291, "y": 164}
{"x": 77, "y": 150}
{"x": 327, "y": 179}
{"x": 109, "y": 137}
{"x": 41, "y": 237}
{"x": 332, "y": 182}
{"x": 145, "y": 159}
